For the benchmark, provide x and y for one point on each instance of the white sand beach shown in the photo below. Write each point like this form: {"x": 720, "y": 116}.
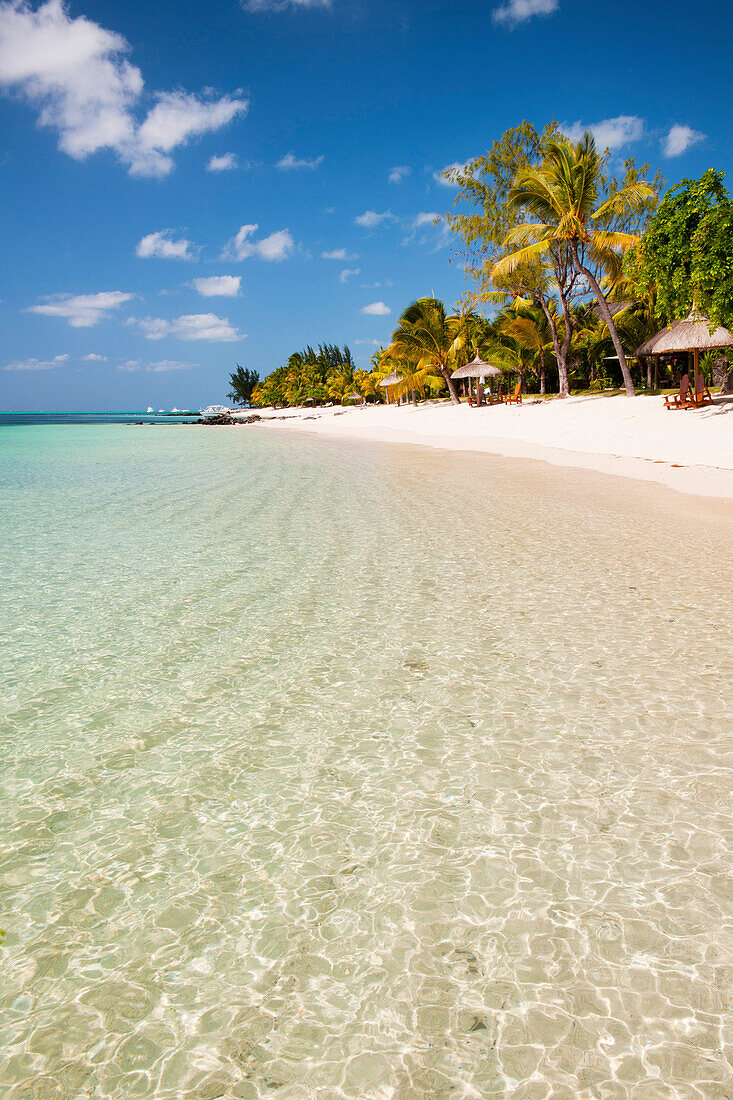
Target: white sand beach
{"x": 690, "y": 450}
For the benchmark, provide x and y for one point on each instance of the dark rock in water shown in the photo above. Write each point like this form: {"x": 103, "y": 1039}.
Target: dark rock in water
{"x": 217, "y": 420}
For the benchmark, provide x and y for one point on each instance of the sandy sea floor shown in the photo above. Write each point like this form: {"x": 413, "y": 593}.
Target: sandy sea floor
{"x": 342, "y": 770}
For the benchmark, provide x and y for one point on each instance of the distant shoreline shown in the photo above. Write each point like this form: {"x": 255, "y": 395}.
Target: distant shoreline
{"x": 690, "y": 451}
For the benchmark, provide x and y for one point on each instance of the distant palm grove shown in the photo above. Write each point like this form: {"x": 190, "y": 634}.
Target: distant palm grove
{"x": 577, "y": 268}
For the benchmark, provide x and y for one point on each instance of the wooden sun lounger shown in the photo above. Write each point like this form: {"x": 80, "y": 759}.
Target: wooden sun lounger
{"x": 701, "y": 395}
{"x": 514, "y": 398}
{"x": 679, "y": 400}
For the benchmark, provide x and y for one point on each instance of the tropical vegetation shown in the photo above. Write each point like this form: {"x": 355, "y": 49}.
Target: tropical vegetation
{"x": 570, "y": 270}
{"x": 313, "y": 375}
{"x": 243, "y": 382}
{"x": 686, "y": 253}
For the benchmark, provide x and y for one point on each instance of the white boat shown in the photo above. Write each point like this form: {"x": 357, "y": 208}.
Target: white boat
{"x": 212, "y": 411}
{"x": 150, "y": 409}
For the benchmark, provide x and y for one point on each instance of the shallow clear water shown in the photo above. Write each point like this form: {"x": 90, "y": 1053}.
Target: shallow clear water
{"x": 351, "y": 771}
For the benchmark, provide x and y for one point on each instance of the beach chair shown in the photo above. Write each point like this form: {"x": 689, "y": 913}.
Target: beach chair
{"x": 514, "y": 398}
{"x": 680, "y": 400}
{"x": 470, "y": 399}
{"x": 701, "y": 395}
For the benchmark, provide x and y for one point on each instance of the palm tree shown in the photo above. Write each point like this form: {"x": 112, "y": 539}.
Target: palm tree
{"x": 528, "y": 326}
{"x": 508, "y": 353}
{"x": 566, "y": 196}
{"x": 544, "y": 282}
{"x": 365, "y": 383}
{"x": 430, "y": 339}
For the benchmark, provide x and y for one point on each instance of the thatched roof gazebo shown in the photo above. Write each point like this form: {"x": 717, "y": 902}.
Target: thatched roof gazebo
{"x": 478, "y": 369}
{"x": 392, "y": 379}
{"x": 692, "y": 335}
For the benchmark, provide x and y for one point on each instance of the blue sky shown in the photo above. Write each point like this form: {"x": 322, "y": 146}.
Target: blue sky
{"x": 188, "y": 185}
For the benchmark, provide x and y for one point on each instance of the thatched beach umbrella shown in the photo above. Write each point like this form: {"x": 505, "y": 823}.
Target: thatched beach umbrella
{"x": 477, "y": 368}
{"x": 691, "y": 335}
{"x": 392, "y": 379}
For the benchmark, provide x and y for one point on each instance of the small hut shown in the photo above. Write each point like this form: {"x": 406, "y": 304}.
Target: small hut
{"x": 690, "y": 336}
{"x": 479, "y": 370}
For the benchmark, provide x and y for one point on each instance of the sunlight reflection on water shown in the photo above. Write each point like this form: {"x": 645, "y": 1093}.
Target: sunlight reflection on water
{"x": 340, "y": 770}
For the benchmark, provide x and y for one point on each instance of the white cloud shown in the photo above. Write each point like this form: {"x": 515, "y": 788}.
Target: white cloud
{"x": 370, "y": 219}
{"x": 164, "y": 365}
{"x": 398, "y": 173}
{"x": 348, "y": 272}
{"x": 191, "y": 326}
{"x": 82, "y": 310}
{"x": 611, "y": 133}
{"x": 176, "y": 117}
{"x": 94, "y": 358}
{"x": 680, "y": 139}
{"x": 446, "y": 177}
{"x": 338, "y": 254}
{"x": 37, "y": 364}
{"x": 277, "y": 246}
{"x": 376, "y": 309}
{"x": 224, "y": 163}
{"x": 281, "y": 5}
{"x": 290, "y": 162}
{"x": 77, "y": 76}
{"x": 518, "y": 11}
{"x": 218, "y": 286}
{"x": 130, "y": 365}
{"x": 163, "y": 246}
{"x": 424, "y": 231}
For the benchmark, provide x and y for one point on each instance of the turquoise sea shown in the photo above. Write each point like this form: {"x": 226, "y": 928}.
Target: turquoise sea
{"x": 339, "y": 770}
{"x": 15, "y": 419}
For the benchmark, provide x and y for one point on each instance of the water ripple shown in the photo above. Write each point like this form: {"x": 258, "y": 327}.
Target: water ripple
{"x": 358, "y": 772}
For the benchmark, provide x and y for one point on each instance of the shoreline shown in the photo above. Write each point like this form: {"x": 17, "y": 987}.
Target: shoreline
{"x": 690, "y": 452}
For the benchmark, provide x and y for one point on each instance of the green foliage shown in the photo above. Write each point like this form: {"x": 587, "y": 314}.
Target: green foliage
{"x": 243, "y": 382}
{"x": 687, "y": 251}
{"x": 430, "y": 340}
{"x": 325, "y": 374}
{"x": 485, "y": 183}
{"x": 573, "y": 213}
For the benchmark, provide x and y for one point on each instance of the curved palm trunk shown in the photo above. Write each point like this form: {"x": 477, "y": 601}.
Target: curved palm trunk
{"x": 543, "y": 386}
{"x": 605, "y": 313}
{"x": 454, "y": 398}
